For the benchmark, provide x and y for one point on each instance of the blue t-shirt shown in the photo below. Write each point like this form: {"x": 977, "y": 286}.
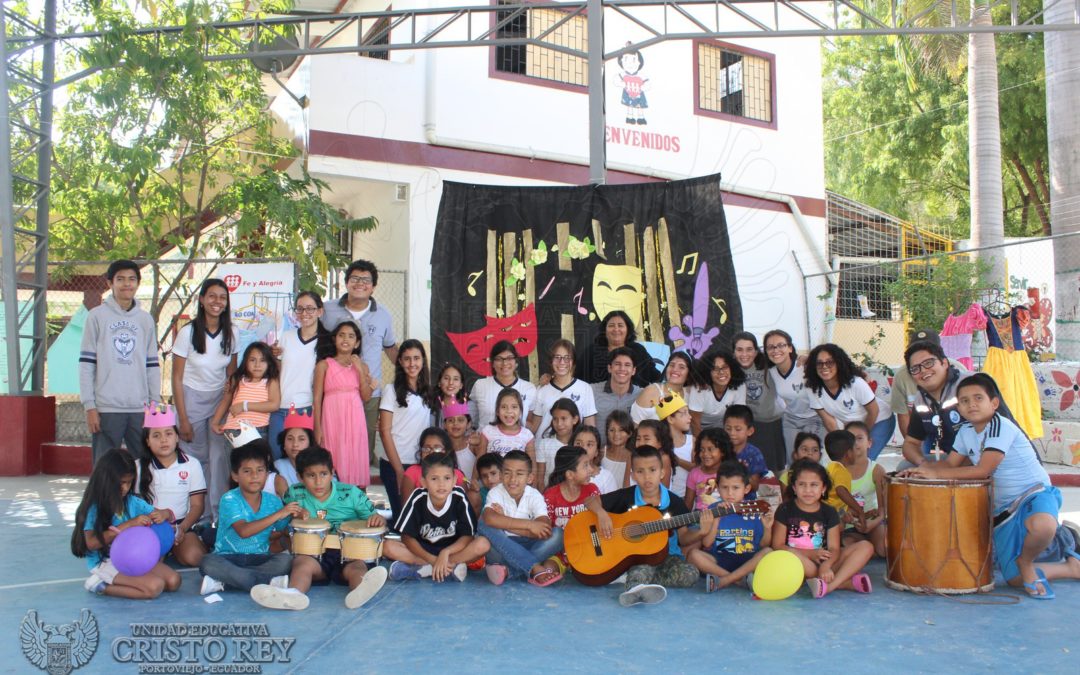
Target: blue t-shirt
{"x": 737, "y": 538}
{"x": 133, "y": 506}
{"x": 755, "y": 465}
{"x": 235, "y": 508}
{"x": 1018, "y": 471}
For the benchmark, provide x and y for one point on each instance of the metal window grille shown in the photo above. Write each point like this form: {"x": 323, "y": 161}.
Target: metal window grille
{"x": 733, "y": 83}
{"x": 538, "y": 62}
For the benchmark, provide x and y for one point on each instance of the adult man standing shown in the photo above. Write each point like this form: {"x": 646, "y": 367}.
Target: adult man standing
{"x": 617, "y": 392}
{"x": 376, "y": 329}
{"x": 119, "y": 371}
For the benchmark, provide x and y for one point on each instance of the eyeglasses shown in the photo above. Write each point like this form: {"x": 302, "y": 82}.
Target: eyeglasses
{"x": 361, "y": 281}
{"x": 433, "y": 448}
{"x": 720, "y": 370}
{"x": 306, "y": 310}
{"x": 777, "y": 347}
{"x": 826, "y": 365}
{"x": 925, "y": 365}
{"x": 562, "y": 358}
{"x": 505, "y": 359}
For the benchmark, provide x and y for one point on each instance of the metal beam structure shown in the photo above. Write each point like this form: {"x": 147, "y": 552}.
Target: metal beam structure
{"x": 310, "y": 34}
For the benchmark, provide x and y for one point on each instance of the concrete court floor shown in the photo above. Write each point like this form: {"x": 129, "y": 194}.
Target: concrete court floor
{"x": 476, "y": 627}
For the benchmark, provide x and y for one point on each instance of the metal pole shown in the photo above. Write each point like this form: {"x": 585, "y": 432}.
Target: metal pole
{"x": 7, "y": 228}
{"x": 597, "y": 121}
{"x": 44, "y": 167}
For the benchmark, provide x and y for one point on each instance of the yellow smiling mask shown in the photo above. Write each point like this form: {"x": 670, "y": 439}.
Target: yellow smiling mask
{"x": 617, "y": 287}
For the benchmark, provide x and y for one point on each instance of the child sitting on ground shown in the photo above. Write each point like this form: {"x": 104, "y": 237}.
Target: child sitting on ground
{"x": 437, "y": 527}
{"x": 588, "y": 438}
{"x": 248, "y": 519}
{"x": 840, "y": 447}
{"x": 320, "y": 496}
{"x": 739, "y": 425}
{"x": 616, "y": 455}
{"x": 807, "y": 446}
{"x": 515, "y": 521}
{"x": 656, "y": 434}
{"x": 868, "y": 489}
{"x": 808, "y": 527}
{"x": 738, "y": 542}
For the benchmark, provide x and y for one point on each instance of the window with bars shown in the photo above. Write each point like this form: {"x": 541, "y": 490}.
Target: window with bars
{"x": 378, "y": 34}
{"x": 539, "y": 62}
{"x": 735, "y": 83}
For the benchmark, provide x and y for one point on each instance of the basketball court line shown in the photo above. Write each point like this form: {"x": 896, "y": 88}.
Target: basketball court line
{"x": 53, "y": 582}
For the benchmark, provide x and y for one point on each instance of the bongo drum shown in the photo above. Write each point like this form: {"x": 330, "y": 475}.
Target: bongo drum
{"x": 308, "y": 536}
{"x": 939, "y": 536}
{"x": 360, "y": 542}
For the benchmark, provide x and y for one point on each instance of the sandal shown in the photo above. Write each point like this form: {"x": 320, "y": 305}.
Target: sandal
{"x": 818, "y": 588}
{"x": 1033, "y": 587}
{"x": 534, "y": 578}
{"x": 860, "y": 583}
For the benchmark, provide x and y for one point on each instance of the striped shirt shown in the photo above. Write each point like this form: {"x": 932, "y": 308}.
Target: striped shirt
{"x": 250, "y": 392}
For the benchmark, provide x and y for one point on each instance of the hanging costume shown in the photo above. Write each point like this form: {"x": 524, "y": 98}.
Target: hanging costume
{"x": 1008, "y": 364}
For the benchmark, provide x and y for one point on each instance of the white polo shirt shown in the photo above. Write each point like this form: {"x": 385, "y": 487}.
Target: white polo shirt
{"x": 577, "y": 391}
{"x": 297, "y": 369}
{"x": 204, "y": 372}
{"x": 712, "y": 409}
{"x": 407, "y": 424}
{"x": 174, "y": 485}
{"x": 486, "y": 391}
{"x": 849, "y": 404}
{"x": 530, "y": 507}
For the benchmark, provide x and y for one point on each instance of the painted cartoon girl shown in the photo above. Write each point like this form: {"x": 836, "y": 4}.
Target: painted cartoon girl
{"x": 633, "y": 95}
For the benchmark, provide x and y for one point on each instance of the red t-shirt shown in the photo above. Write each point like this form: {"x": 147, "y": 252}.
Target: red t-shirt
{"x": 559, "y": 510}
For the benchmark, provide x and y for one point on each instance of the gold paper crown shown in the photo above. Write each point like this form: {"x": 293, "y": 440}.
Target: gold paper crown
{"x": 668, "y": 405}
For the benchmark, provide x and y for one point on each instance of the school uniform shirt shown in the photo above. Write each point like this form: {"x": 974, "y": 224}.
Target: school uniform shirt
{"x": 345, "y": 502}
{"x": 235, "y": 508}
{"x": 604, "y": 480}
{"x": 849, "y": 404}
{"x": 436, "y": 529}
{"x": 712, "y": 409}
{"x": 407, "y": 424}
{"x": 530, "y": 507}
{"x": 1019, "y": 470}
{"x": 546, "y": 449}
{"x": 485, "y": 392}
{"x": 287, "y": 470}
{"x": 754, "y": 461}
{"x": 173, "y": 486}
{"x": 807, "y": 530}
{"x": 625, "y": 499}
{"x": 297, "y": 369}
{"x": 685, "y": 452}
{"x": 737, "y": 539}
{"x": 761, "y": 397}
{"x": 577, "y": 391}
{"x": 204, "y": 372}
{"x": 133, "y": 507}
{"x": 466, "y": 461}
{"x": 501, "y": 442}
{"x": 840, "y": 478}
{"x": 560, "y": 510}
{"x": 791, "y": 389}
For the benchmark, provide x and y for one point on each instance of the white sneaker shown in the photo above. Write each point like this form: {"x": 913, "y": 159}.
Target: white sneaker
{"x": 95, "y": 584}
{"x": 461, "y": 570}
{"x": 372, "y": 583}
{"x": 211, "y": 585}
{"x": 646, "y": 594}
{"x": 272, "y": 597}
{"x": 620, "y": 580}
{"x": 280, "y": 582}
{"x": 424, "y": 571}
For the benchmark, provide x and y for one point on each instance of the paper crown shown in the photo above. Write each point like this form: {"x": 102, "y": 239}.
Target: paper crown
{"x": 157, "y": 415}
{"x": 247, "y": 434}
{"x": 295, "y": 420}
{"x": 454, "y": 409}
{"x": 669, "y": 405}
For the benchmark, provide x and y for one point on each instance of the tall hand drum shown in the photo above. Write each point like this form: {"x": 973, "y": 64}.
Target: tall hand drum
{"x": 939, "y": 535}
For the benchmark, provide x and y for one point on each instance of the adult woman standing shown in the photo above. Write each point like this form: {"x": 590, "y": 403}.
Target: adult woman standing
{"x": 296, "y": 350}
{"x": 788, "y": 379}
{"x": 204, "y": 357}
{"x": 724, "y": 380}
{"x": 680, "y": 377}
{"x": 617, "y": 330}
{"x": 837, "y": 391}
{"x": 485, "y": 391}
{"x": 762, "y": 398}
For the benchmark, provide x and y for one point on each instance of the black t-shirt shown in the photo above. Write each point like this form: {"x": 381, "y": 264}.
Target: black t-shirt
{"x": 435, "y": 530}
{"x": 807, "y": 530}
{"x": 622, "y": 500}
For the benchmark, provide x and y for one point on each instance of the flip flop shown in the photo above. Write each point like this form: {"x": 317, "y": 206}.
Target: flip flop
{"x": 555, "y": 576}
{"x": 818, "y": 588}
{"x": 1033, "y": 589}
{"x": 860, "y": 583}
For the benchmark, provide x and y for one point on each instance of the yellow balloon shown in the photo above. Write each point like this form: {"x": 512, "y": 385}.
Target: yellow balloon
{"x": 778, "y": 576}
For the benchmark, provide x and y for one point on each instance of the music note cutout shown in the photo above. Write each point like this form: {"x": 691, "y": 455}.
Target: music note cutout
{"x": 580, "y": 309}
{"x": 693, "y": 265}
{"x": 472, "y": 281}
{"x": 721, "y": 305}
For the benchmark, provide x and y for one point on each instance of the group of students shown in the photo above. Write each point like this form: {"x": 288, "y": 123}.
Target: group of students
{"x": 526, "y": 459}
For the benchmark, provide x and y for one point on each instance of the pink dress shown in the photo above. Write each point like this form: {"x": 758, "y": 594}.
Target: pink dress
{"x": 343, "y": 423}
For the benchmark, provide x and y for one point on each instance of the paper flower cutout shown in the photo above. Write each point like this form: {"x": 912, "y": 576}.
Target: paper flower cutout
{"x": 539, "y": 255}
{"x": 517, "y": 272}
{"x": 578, "y": 249}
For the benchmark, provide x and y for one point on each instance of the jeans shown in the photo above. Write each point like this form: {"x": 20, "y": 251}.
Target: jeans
{"x": 245, "y": 570}
{"x": 117, "y": 428}
{"x": 520, "y": 554}
{"x": 880, "y": 434}
{"x": 277, "y": 425}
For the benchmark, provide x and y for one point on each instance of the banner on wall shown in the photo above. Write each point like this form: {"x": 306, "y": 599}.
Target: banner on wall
{"x": 535, "y": 264}
{"x": 261, "y": 296}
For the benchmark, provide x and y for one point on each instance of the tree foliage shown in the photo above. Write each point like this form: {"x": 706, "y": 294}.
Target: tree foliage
{"x": 944, "y": 285}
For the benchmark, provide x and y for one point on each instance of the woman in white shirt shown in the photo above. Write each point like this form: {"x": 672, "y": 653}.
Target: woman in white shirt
{"x": 504, "y": 363}
{"x": 680, "y": 375}
{"x": 837, "y": 391}
{"x": 204, "y": 357}
{"x": 296, "y": 350}
{"x": 404, "y": 414}
{"x": 789, "y": 382}
{"x": 563, "y": 384}
{"x": 725, "y": 379}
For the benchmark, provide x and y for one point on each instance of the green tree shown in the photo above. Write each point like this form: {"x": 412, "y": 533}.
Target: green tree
{"x": 162, "y": 150}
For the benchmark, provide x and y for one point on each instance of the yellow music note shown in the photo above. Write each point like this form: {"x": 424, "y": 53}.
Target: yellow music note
{"x": 472, "y": 281}
{"x": 720, "y": 304}
{"x": 693, "y": 264}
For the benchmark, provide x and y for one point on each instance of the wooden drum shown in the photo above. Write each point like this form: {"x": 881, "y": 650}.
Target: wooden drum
{"x": 939, "y": 536}
{"x": 360, "y": 542}
{"x": 308, "y": 536}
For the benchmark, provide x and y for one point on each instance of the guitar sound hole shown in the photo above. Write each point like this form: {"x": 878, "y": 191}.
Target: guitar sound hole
{"x": 634, "y": 532}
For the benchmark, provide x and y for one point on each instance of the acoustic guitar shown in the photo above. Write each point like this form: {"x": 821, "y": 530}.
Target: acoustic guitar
{"x": 639, "y": 537}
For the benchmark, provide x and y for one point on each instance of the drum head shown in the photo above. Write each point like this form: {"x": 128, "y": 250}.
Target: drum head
{"x": 359, "y": 527}
{"x": 311, "y": 525}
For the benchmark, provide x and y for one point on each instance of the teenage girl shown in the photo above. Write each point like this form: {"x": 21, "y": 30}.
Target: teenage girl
{"x": 109, "y": 507}
{"x": 807, "y": 446}
{"x": 589, "y": 438}
{"x": 679, "y": 373}
{"x": 342, "y": 386}
{"x": 296, "y": 351}
{"x": 404, "y": 412}
{"x": 568, "y": 488}
{"x": 616, "y": 457}
{"x": 712, "y": 448}
{"x": 563, "y": 384}
{"x": 252, "y": 394}
{"x": 506, "y": 432}
{"x": 172, "y": 482}
{"x": 808, "y": 527}
{"x": 565, "y": 420}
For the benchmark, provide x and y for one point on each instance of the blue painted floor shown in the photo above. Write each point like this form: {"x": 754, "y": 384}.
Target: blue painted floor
{"x": 476, "y": 627}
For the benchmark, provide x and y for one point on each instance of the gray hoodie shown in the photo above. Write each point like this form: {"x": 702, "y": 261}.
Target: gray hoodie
{"x": 118, "y": 359}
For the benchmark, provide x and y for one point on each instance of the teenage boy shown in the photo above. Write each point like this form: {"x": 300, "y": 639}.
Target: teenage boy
{"x": 618, "y": 392}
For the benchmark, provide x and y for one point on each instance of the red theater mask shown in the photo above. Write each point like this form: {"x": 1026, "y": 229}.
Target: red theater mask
{"x": 475, "y": 347}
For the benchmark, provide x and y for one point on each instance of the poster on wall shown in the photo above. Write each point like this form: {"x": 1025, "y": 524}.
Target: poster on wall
{"x": 261, "y": 298}
{"x": 536, "y": 264}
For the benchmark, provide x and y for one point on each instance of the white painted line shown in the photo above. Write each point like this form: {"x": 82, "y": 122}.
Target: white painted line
{"x": 53, "y": 582}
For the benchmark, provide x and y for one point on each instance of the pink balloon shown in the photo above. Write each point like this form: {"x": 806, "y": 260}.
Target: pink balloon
{"x": 135, "y": 551}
